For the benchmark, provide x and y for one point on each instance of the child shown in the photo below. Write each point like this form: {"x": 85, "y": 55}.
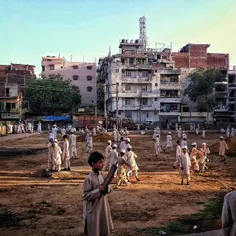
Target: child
{"x": 113, "y": 156}
{"x": 107, "y": 155}
{"x": 205, "y": 150}
{"x": 97, "y": 215}
{"x": 122, "y": 168}
{"x": 178, "y": 154}
{"x": 194, "y": 154}
{"x": 222, "y": 149}
{"x": 185, "y": 164}
{"x": 169, "y": 144}
{"x": 66, "y": 153}
{"x": 131, "y": 156}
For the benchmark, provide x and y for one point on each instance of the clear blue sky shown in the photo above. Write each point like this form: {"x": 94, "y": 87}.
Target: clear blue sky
{"x": 30, "y": 29}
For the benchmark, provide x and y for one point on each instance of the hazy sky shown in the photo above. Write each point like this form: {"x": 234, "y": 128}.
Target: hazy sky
{"x": 30, "y": 29}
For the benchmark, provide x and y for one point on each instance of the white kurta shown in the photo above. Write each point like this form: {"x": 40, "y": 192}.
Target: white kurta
{"x": 73, "y": 149}
{"x": 63, "y": 132}
{"x": 39, "y": 128}
{"x": 96, "y": 212}
{"x": 227, "y": 132}
{"x": 223, "y": 147}
{"x": 66, "y": 154}
{"x": 108, "y": 150}
{"x": 184, "y": 143}
{"x": 203, "y": 133}
{"x": 123, "y": 146}
{"x": 185, "y": 164}
{"x": 179, "y": 133}
{"x": 169, "y": 141}
{"x": 57, "y": 157}
{"x": 50, "y": 156}
{"x": 229, "y": 214}
{"x": 131, "y": 156}
{"x": 178, "y": 154}
{"x": 54, "y": 133}
{"x": 113, "y": 158}
{"x": 157, "y": 146}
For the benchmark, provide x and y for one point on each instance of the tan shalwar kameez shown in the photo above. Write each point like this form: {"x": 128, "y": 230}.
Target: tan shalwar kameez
{"x": 185, "y": 164}
{"x": 229, "y": 214}
{"x": 97, "y": 215}
{"x": 223, "y": 148}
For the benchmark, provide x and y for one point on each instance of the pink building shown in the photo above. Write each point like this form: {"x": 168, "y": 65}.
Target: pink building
{"x": 81, "y": 74}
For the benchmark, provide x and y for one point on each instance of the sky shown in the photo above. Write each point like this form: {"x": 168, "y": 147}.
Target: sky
{"x": 30, "y": 29}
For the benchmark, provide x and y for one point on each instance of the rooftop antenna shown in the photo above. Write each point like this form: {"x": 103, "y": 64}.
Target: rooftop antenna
{"x": 142, "y": 32}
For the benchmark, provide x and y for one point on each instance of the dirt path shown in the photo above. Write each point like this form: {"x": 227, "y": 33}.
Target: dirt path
{"x": 53, "y": 206}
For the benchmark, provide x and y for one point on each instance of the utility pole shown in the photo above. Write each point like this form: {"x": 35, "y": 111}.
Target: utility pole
{"x": 105, "y": 105}
{"x": 117, "y": 123}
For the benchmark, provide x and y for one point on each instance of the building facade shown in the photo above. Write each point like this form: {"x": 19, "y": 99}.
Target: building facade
{"x": 232, "y": 95}
{"x": 81, "y": 74}
{"x": 10, "y": 102}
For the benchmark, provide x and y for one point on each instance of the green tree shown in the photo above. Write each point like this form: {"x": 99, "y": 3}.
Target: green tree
{"x": 50, "y": 95}
{"x": 200, "y": 89}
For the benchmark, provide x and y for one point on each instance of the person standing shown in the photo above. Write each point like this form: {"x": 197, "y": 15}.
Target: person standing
{"x": 227, "y": 132}
{"x": 113, "y": 156}
{"x": 123, "y": 145}
{"x": 89, "y": 143}
{"x": 108, "y": 150}
{"x": 96, "y": 210}
{"x": 131, "y": 156}
{"x": 185, "y": 164}
{"x": 50, "y": 154}
{"x": 57, "y": 156}
{"x": 54, "y": 132}
{"x": 178, "y": 154}
{"x": 223, "y": 147}
{"x": 169, "y": 144}
{"x": 203, "y": 133}
{"x": 72, "y": 143}
{"x": 63, "y": 131}
{"x": 232, "y": 132}
{"x": 179, "y": 133}
{"x": 39, "y": 127}
{"x": 229, "y": 214}
{"x": 66, "y": 153}
{"x": 157, "y": 145}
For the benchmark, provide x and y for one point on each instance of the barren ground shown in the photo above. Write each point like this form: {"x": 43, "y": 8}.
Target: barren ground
{"x": 32, "y": 205}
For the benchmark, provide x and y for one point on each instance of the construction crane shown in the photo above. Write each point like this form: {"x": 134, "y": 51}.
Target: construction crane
{"x": 142, "y": 32}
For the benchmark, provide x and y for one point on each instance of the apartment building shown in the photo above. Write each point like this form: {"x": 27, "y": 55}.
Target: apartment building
{"x": 81, "y": 74}
{"x": 145, "y": 83}
{"x": 10, "y": 102}
{"x": 232, "y": 95}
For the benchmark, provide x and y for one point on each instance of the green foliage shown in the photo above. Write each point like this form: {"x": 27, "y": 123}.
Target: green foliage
{"x": 201, "y": 86}
{"x": 49, "y": 95}
{"x": 205, "y": 219}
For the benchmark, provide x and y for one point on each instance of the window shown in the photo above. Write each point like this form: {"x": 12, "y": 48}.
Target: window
{"x": 75, "y": 67}
{"x": 89, "y": 88}
{"x": 155, "y": 99}
{"x": 13, "y": 106}
{"x": 144, "y": 87}
{"x": 92, "y": 101}
{"x": 156, "y": 84}
{"x": 7, "y": 92}
{"x": 128, "y": 114}
{"x": 52, "y": 67}
{"x": 43, "y": 68}
{"x": 89, "y": 77}
{"x": 127, "y": 87}
{"x": 89, "y": 67}
{"x": 185, "y": 109}
{"x": 144, "y": 101}
{"x": 164, "y": 57}
{"x": 75, "y": 77}
{"x": 117, "y": 70}
{"x": 127, "y": 101}
{"x": 128, "y": 73}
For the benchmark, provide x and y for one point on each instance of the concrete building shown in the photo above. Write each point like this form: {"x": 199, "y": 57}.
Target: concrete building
{"x": 141, "y": 85}
{"x": 81, "y": 74}
{"x": 232, "y": 95}
{"x": 10, "y": 102}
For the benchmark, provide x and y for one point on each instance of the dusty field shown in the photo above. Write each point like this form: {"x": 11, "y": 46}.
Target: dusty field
{"x": 31, "y": 205}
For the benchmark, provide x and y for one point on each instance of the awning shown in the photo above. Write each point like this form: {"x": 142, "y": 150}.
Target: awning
{"x": 56, "y": 118}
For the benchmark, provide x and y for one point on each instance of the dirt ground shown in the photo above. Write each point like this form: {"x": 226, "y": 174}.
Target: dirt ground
{"x": 32, "y": 205}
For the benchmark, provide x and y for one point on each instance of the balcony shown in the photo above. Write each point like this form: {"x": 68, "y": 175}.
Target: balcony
{"x": 136, "y": 80}
{"x": 128, "y": 94}
{"x": 232, "y": 99}
{"x": 11, "y": 111}
{"x": 170, "y": 85}
{"x": 169, "y": 113}
{"x": 194, "y": 114}
{"x": 232, "y": 86}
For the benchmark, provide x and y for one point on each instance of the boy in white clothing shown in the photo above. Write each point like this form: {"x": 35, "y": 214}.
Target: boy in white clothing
{"x": 113, "y": 156}
{"x": 131, "y": 156}
{"x": 178, "y": 154}
{"x": 66, "y": 153}
{"x": 185, "y": 164}
{"x": 107, "y": 155}
{"x": 157, "y": 145}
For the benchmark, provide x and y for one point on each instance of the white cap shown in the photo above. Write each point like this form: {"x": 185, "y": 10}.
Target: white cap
{"x": 169, "y": 132}
{"x": 184, "y": 147}
{"x": 128, "y": 140}
{"x": 204, "y": 144}
{"x": 129, "y": 146}
{"x": 109, "y": 141}
{"x": 55, "y": 141}
{"x": 221, "y": 137}
{"x": 194, "y": 144}
{"x": 114, "y": 146}
{"x": 123, "y": 151}
{"x": 124, "y": 139}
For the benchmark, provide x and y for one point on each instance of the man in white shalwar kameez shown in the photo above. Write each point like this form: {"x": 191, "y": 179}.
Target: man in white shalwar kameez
{"x": 203, "y": 133}
{"x": 178, "y": 154}
{"x": 113, "y": 156}
{"x": 179, "y": 134}
{"x": 54, "y": 132}
{"x": 66, "y": 153}
{"x": 184, "y": 135}
{"x": 157, "y": 145}
{"x": 169, "y": 144}
{"x": 56, "y": 156}
{"x": 185, "y": 164}
{"x": 108, "y": 150}
{"x": 73, "y": 149}
{"x": 131, "y": 159}
{"x": 39, "y": 127}
{"x": 229, "y": 214}
{"x": 232, "y": 132}
{"x": 96, "y": 210}
{"x": 89, "y": 143}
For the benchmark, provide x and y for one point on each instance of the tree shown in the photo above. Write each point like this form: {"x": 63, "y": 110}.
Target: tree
{"x": 200, "y": 89}
{"x": 50, "y": 95}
